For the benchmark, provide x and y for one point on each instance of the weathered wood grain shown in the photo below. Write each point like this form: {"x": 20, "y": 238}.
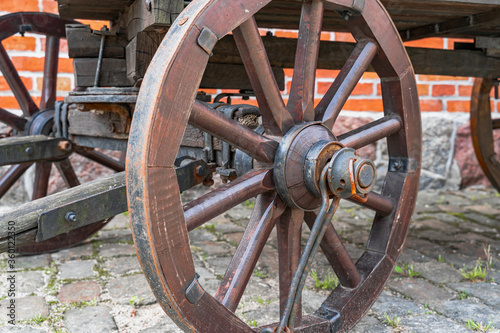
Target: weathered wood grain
{"x": 100, "y": 122}
{"x": 82, "y": 43}
{"x": 140, "y": 52}
{"x": 332, "y": 55}
{"x": 229, "y": 76}
{"x": 92, "y": 9}
{"x": 113, "y": 72}
{"x": 150, "y": 15}
{"x": 26, "y": 216}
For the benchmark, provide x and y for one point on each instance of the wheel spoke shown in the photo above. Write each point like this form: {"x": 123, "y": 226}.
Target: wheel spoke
{"x": 375, "y": 202}
{"x": 289, "y": 230}
{"x": 332, "y": 103}
{"x": 275, "y": 117}
{"x": 12, "y": 120}
{"x": 371, "y": 133}
{"x": 11, "y": 176}
{"x": 101, "y": 159}
{"x": 482, "y": 126}
{"x": 268, "y": 208}
{"x": 301, "y": 101}
{"x": 41, "y": 185}
{"x": 217, "y": 202}
{"x": 49, "y": 88}
{"x": 16, "y": 84}
{"x": 337, "y": 255}
{"x": 67, "y": 173}
{"x": 232, "y": 132}
{"x": 495, "y": 123}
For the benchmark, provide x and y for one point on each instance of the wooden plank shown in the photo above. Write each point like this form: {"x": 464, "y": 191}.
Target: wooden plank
{"x": 92, "y": 9}
{"x": 103, "y": 120}
{"x": 113, "y": 72}
{"x": 447, "y": 2}
{"x": 405, "y": 13}
{"x": 150, "y": 15}
{"x": 229, "y": 76}
{"x": 488, "y": 43}
{"x": 454, "y": 26}
{"x": 141, "y": 49}
{"x": 82, "y": 43}
{"x": 332, "y": 55}
{"x": 26, "y": 215}
{"x": 140, "y": 52}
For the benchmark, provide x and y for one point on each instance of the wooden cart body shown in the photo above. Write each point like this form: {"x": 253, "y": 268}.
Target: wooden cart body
{"x": 111, "y": 67}
{"x": 141, "y": 25}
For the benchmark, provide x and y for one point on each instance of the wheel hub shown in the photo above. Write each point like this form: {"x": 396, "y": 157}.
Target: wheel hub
{"x": 350, "y": 174}
{"x": 41, "y": 123}
{"x": 304, "y": 152}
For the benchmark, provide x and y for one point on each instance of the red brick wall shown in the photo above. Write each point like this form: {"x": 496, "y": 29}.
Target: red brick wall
{"x": 27, "y": 54}
{"x": 437, "y": 93}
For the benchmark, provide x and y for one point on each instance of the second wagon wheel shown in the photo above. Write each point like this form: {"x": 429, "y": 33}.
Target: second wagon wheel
{"x": 35, "y": 125}
{"x": 482, "y": 128}
{"x": 286, "y": 190}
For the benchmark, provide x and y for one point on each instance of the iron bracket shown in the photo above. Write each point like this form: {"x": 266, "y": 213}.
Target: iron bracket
{"x": 194, "y": 291}
{"x": 94, "y": 202}
{"x": 61, "y": 119}
{"x": 403, "y": 165}
{"x": 191, "y": 173}
{"x": 332, "y": 316}
{"x": 207, "y": 40}
{"x": 91, "y": 203}
{"x": 33, "y": 148}
{"x": 103, "y": 33}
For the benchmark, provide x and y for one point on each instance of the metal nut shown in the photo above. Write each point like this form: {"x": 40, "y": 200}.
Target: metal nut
{"x": 70, "y": 217}
{"x": 29, "y": 151}
{"x": 398, "y": 165}
{"x": 200, "y": 170}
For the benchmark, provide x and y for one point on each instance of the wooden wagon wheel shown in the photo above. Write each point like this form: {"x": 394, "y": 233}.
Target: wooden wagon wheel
{"x": 482, "y": 129}
{"x": 38, "y": 120}
{"x": 166, "y": 104}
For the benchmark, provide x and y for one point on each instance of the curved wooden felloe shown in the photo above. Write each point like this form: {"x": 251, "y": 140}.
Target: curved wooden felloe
{"x": 482, "y": 128}
{"x": 54, "y": 29}
{"x": 166, "y": 104}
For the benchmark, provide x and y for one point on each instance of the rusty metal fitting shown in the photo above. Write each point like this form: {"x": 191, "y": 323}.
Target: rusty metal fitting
{"x": 350, "y": 175}
{"x": 64, "y": 146}
{"x": 70, "y": 217}
{"x": 316, "y": 159}
{"x": 364, "y": 174}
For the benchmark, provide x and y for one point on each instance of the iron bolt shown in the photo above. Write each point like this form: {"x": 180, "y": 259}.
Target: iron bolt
{"x": 64, "y": 145}
{"x": 200, "y": 170}
{"x": 398, "y": 165}
{"x": 71, "y": 217}
{"x": 322, "y": 312}
{"x": 29, "y": 151}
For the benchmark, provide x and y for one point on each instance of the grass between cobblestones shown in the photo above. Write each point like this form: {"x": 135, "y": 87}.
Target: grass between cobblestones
{"x": 452, "y": 231}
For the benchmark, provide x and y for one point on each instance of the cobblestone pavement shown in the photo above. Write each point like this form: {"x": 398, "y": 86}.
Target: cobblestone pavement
{"x": 98, "y": 286}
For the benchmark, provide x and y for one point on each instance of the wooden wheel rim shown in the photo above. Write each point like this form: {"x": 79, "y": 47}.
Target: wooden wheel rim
{"x": 163, "y": 109}
{"x": 55, "y": 27}
{"x": 481, "y": 126}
